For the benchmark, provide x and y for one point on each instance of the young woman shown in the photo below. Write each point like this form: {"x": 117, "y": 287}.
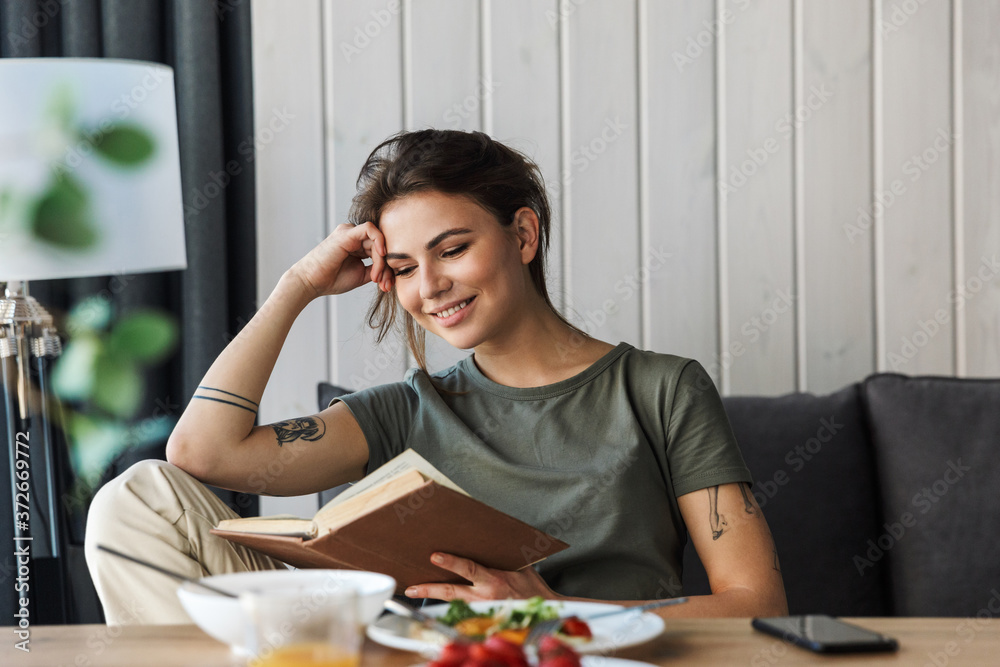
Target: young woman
{"x": 619, "y": 452}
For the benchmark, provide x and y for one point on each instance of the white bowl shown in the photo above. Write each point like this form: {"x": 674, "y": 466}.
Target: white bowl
{"x": 223, "y": 617}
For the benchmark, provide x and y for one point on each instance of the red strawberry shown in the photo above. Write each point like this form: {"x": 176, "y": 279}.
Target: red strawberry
{"x": 453, "y": 654}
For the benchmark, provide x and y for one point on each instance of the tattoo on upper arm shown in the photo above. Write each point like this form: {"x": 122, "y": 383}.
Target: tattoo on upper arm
{"x": 716, "y": 521}
{"x": 748, "y": 505}
{"x": 304, "y": 428}
{"x": 239, "y": 402}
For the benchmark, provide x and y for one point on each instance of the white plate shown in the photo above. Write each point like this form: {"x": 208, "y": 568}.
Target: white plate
{"x": 610, "y": 634}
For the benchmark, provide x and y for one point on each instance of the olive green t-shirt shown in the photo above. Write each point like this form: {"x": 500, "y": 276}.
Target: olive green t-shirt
{"x": 596, "y": 460}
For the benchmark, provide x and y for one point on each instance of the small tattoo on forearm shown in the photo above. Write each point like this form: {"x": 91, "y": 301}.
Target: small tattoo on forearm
{"x": 310, "y": 429}
{"x": 240, "y": 402}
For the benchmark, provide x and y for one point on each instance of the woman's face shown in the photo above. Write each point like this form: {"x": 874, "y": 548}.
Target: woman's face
{"x": 458, "y": 272}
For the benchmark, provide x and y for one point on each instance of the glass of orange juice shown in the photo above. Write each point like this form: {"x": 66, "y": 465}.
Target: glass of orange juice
{"x": 316, "y": 627}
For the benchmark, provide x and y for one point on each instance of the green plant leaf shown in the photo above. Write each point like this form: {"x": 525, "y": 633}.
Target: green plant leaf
{"x": 73, "y": 375}
{"x": 62, "y": 216}
{"x": 125, "y": 144}
{"x": 145, "y": 337}
{"x": 118, "y": 385}
{"x": 91, "y": 314}
{"x": 94, "y": 443}
{"x": 61, "y": 106}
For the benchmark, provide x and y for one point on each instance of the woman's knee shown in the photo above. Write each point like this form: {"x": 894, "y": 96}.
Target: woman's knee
{"x": 118, "y": 498}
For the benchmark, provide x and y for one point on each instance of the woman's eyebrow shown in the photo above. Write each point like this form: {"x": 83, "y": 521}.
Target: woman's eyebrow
{"x": 432, "y": 243}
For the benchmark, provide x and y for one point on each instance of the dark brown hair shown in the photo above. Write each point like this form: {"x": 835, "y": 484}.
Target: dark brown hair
{"x": 496, "y": 177}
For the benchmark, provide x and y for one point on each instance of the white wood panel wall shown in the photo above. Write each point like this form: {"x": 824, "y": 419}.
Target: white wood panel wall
{"x": 795, "y": 192}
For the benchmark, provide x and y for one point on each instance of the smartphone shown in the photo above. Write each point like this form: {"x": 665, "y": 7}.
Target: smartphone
{"x": 825, "y": 634}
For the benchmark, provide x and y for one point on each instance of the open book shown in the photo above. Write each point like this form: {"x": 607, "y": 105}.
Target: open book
{"x": 391, "y": 522}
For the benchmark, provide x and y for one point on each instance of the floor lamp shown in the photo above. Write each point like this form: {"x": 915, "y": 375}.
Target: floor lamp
{"x": 89, "y": 186}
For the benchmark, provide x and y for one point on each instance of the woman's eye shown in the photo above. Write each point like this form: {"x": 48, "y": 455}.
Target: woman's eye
{"x": 401, "y": 273}
{"x": 455, "y": 251}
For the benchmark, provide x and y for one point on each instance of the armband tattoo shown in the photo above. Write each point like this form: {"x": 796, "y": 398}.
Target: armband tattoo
{"x": 243, "y": 404}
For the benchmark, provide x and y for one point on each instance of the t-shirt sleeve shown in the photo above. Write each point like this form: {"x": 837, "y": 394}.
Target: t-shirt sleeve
{"x": 385, "y": 414}
{"x": 701, "y": 448}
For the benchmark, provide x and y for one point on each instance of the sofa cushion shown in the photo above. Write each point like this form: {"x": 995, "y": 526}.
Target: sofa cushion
{"x": 813, "y": 476}
{"x": 936, "y": 442}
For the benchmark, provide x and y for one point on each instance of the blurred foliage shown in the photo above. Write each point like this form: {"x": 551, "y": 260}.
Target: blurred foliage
{"x": 99, "y": 379}
{"x": 62, "y": 213}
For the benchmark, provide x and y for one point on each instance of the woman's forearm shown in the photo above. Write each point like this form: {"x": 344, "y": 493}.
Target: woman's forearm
{"x": 222, "y": 410}
{"x": 732, "y": 603}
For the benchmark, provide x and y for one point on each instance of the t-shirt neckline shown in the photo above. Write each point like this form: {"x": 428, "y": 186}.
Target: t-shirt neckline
{"x": 548, "y": 390}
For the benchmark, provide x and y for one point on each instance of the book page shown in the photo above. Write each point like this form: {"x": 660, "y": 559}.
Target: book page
{"x": 408, "y": 460}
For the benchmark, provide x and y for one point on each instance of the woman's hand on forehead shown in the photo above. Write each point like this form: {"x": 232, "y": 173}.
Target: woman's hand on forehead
{"x": 336, "y": 265}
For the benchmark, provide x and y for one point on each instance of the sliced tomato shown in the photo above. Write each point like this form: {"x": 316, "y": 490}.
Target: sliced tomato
{"x": 576, "y": 627}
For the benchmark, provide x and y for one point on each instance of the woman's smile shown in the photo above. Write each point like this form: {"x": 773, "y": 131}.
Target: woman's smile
{"x": 456, "y": 269}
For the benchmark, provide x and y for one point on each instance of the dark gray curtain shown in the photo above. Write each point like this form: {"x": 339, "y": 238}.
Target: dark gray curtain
{"x": 208, "y": 45}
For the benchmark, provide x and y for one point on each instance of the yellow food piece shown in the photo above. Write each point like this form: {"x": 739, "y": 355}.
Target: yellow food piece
{"x": 514, "y": 636}
{"x": 475, "y": 627}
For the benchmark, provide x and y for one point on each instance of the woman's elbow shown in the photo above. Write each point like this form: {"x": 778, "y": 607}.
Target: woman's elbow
{"x": 181, "y": 453}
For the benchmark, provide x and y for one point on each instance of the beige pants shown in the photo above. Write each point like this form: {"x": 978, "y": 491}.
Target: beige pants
{"x": 158, "y": 512}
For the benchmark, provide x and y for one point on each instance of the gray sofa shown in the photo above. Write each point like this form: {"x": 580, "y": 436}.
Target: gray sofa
{"x": 883, "y": 498}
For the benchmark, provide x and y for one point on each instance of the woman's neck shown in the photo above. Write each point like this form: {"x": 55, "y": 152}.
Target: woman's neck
{"x": 542, "y": 351}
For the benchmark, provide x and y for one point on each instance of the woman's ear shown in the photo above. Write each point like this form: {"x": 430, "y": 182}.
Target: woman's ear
{"x": 525, "y": 225}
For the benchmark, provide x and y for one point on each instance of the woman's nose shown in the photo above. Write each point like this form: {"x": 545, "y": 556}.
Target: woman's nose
{"x": 433, "y": 282}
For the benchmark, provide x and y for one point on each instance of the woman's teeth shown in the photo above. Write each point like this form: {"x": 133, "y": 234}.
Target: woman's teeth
{"x": 454, "y": 309}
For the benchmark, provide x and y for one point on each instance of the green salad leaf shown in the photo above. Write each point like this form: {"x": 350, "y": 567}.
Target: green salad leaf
{"x": 534, "y": 611}
{"x": 459, "y": 610}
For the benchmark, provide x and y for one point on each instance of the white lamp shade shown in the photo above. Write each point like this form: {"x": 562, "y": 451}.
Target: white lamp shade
{"x": 134, "y": 210}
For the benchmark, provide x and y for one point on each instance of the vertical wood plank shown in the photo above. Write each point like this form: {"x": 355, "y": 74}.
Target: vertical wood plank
{"x": 681, "y": 168}
{"x": 757, "y": 178}
{"x": 524, "y": 108}
{"x": 835, "y": 123}
{"x": 916, "y": 191}
{"x": 364, "y": 74}
{"x": 600, "y": 179}
{"x": 288, "y": 125}
{"x": 448, "y": 91}
{"x": 978, "y": 294}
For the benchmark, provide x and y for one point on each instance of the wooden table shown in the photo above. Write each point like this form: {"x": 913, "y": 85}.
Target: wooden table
{"x": 938, "y": 642}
